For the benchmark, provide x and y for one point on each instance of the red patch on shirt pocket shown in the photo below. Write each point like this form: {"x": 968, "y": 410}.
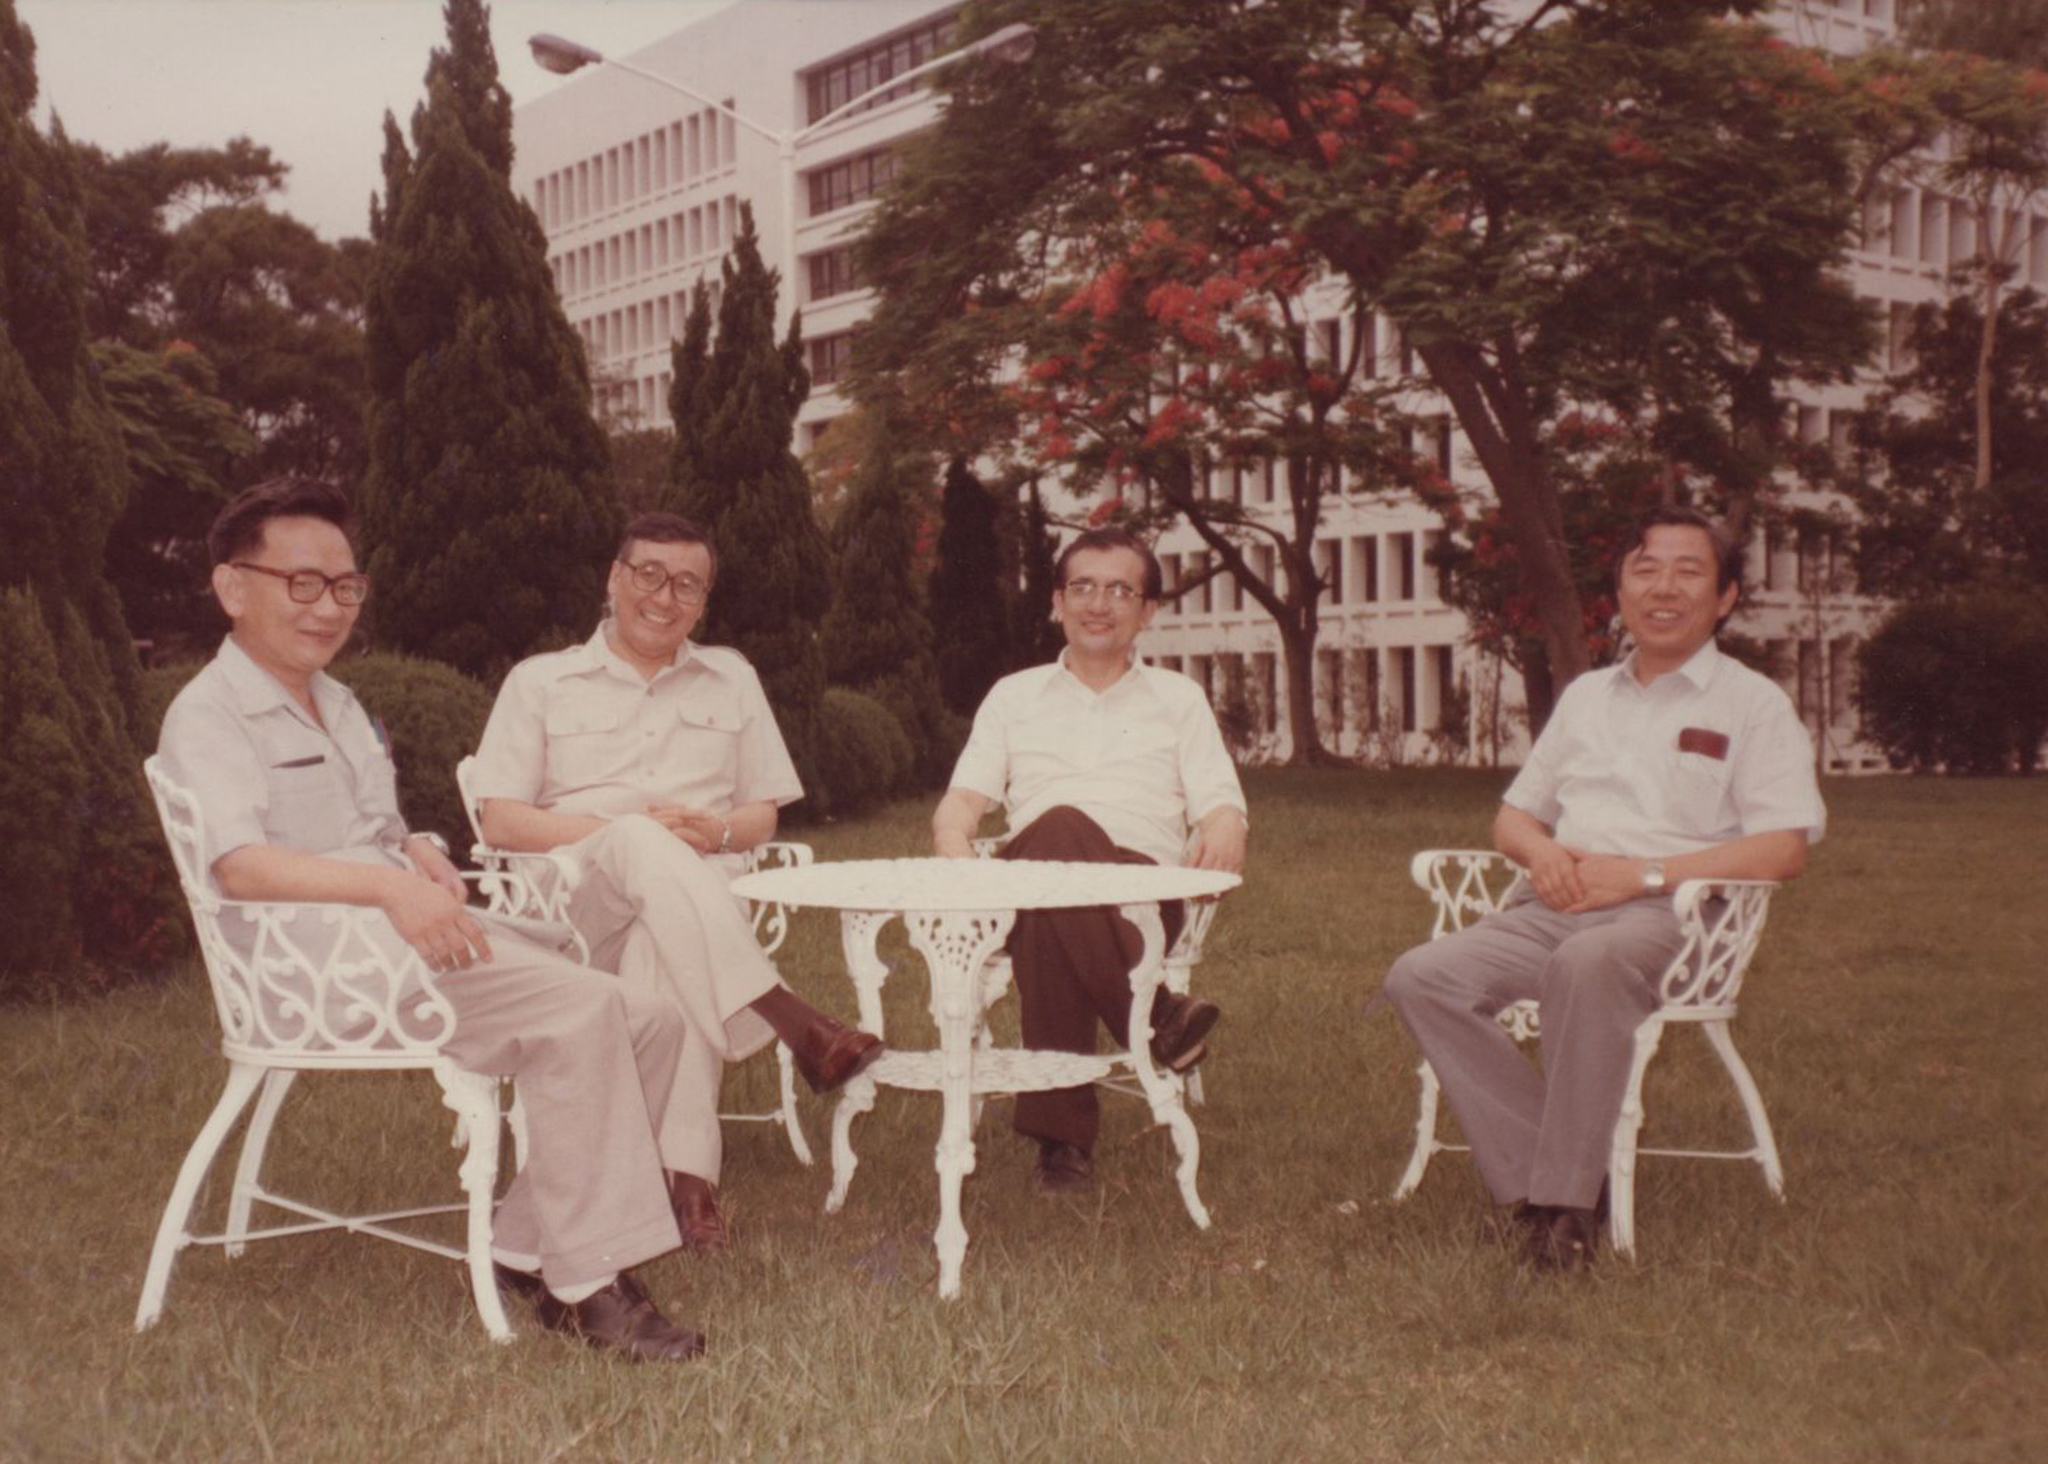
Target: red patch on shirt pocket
{"x": 1704, "y": 742}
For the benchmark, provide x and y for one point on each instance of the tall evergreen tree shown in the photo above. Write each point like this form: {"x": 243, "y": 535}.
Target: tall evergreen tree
{"x": 877, "y": 638}
{"x": 969, "y": 591}
{"x": 734, "y": 400}
{"x": 488, "y": 507}
{"x": 72, "y": 836}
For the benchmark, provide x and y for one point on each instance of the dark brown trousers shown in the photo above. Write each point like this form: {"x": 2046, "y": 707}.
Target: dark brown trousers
{"x": 1073, "y": 969}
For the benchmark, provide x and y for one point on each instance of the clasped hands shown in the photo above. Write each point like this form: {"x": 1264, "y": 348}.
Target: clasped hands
{"x": 1572, "y": 881}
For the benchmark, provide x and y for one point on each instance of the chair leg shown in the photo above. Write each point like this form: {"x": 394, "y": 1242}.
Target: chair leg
{"x": 515, "y": 1119}
{"x": 255, "y": 1143}
{"x": 1425, "y": 1131}
{"x": 1621, "y": 1160}
{"x": 170, "y": 1231}
{"x": 474, "y": 1097}
{"x": 791, "y": 1125}
{"x": 1766, "y": 1151}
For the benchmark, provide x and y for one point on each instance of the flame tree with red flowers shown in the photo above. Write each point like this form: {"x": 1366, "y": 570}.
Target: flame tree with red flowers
{"x": 1629, "y": 210}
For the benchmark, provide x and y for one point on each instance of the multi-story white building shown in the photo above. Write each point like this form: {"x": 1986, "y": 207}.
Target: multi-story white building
{"x": 639, "y": 188}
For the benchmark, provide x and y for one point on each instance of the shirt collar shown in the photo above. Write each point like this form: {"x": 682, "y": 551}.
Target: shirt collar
{"x": 1698, "y": 669}
{"x": 598, "y": 655}
{"x": 256, "y": 690}
{"x": 1131, "y": 673}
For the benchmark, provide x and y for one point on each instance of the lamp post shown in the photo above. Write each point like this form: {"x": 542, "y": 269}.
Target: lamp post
{"x": 563, "y": 56}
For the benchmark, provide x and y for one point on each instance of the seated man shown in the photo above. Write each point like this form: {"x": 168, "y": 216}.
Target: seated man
{"x": 299, "y": 798}
{"x": 655, "y": 762}
{"x": 1677, "y": 764}
{"x": 1096, "y": 757}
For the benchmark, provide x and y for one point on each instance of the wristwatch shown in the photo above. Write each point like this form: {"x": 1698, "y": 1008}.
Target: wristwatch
{"x": 1653, "y": 877}
{"x": 432, "y": 838}
{"x": 724, "y": 837}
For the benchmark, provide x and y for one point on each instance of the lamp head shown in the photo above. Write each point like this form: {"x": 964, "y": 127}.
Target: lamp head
{"x": 561, "y": 56}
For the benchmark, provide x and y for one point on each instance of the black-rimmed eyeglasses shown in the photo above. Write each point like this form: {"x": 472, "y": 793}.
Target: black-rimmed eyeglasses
{"x": 306, "y": 586}
{"x": 650, "y": 578}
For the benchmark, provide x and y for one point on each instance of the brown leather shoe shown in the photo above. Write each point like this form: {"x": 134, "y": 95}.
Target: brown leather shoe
{"x": 621, "y": 1318}
{"x": 828, "y": 1052}
{"x": 1179, "y": 1023}
{"x": 1064, "y": 1169}
{"x": 697, "y": 1214}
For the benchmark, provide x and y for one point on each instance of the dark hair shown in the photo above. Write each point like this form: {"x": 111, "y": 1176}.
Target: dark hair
{"x": 662, "y": 527}
{"x": 238, "y": 529}
{"x": 1112, "y": 537}
{"x": 1727, "y": 553}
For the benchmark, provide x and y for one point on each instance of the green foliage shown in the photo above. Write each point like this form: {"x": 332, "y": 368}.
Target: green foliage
{"x": 76, "y": 812}
{"x": 1641, "y": 210}
{"x": 435, "y": 717}
{"x": 488, "y": 511}
{"x": 734, "y": 399}
{"x": 864, "y": 755}
{"x": 1959, "y": 683}
{"x": 970, "y": 591}
{"x": 160, "y": 686}
{"x": 1924, "y": 526}
{"x": 182, "y": 443}
{"x": 876, "y": 637}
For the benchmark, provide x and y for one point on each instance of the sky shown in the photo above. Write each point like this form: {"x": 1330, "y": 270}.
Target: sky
{"x": 309, "y": 79}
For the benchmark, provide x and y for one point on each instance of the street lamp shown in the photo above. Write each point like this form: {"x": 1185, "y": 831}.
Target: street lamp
{"x": 563, "y": 56}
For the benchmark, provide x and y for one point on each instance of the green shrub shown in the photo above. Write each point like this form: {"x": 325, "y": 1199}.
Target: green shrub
{"x": 435, "y": 716}
{"x": 864, "y": 755}
{"x": 1959, "y": 684}
{"x": 160, "y": 686}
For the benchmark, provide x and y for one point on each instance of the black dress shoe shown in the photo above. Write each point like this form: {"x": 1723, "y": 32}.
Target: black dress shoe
{"x": 621, "y": 1318}
{"x": 695, "y": 1201}
{"x": 1179, "y": 1023}
{"x": 525, "y": 1285}
{"x": 828, "y": 1052}
{"x": 1064, "y": 1169}
{"x": 1565, "y": 1240}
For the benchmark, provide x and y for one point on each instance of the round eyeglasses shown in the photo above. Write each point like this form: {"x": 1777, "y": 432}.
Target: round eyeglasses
{"x": 306, "y": 586}
{"x": 650, "y": 578}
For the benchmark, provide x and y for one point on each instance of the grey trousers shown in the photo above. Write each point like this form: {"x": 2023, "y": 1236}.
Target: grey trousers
{"x": 1538, "y": 1136}
{"x": 665, "y": 919}
{"x": 593, "y": 1062}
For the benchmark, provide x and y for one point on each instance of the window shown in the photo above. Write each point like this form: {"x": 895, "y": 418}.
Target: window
{"x": 1330, "y": 682}
{"x": 832, "y": 86}
{"x": 832, "y": 273}
{"x": 1330, "y": 560}
{"x": 1445, "y": 677}
{"x": 845, "y": 183}
{"x": 1402, "y": 548}
{"x": 1404, "y": 672}
{"x": 829, "y": 357}
{"x": 1369, "y": 566}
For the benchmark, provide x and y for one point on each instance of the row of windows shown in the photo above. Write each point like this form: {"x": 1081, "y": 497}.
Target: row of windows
{"x": 832, "y": 86}
{"x": 850, "y": 180}
{"x": 1364, "y": 569}
{"x": 1925, "y": 227}
{"x": 832, "y": 273}
{"x": 1261, "y": 480}
{"x": 681, "y": 153}
{"x": 1363, "y": 689}
{"x": 631, "y": 330}
{"x": 686, "y": 237}
{"x": 829, "y": 357}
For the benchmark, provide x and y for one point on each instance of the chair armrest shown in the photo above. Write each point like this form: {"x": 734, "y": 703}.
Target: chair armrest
{"x": 535, "y": 884}
{"x": 771, "y": 920}
{"x": 1721, "y": 921}
{"x": 1463, "y": 884}
{"x": 988, "y": 845}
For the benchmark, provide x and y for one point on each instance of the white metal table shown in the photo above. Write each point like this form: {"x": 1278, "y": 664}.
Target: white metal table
{"x": 958, "y": 913}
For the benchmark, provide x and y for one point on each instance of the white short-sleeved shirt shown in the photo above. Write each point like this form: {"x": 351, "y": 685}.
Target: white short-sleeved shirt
{"x": 264, "y": 772}
{"x": 581, "y": 731}
{"x": 1703, "y": 755}
{"x": 1143, "y": 757}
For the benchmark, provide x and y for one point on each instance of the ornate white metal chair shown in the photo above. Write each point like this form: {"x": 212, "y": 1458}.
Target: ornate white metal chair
{"x": 310, "y": 987}
{"x": 1722, "y": 921}
{"x": 541, "y": 885}
{"x": 1177, "y": 971}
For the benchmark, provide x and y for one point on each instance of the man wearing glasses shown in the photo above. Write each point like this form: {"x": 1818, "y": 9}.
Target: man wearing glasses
{"x": 1101, "y": 758}
{"x": 300, "y": 802}
{"x": 655, "y": 762}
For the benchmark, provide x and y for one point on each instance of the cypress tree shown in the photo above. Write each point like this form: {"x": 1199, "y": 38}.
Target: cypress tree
{"x": 73, "y": 832}
{"x": 969, "y": 591}
{"x": 734, "y": 399}
{"x": 877, "y": 638}
{"x": 488, "y": 508}
{"x": 1034, "y": 636}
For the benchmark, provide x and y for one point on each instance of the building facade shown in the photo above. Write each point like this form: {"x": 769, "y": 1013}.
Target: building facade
{"x": 639, "y": 188}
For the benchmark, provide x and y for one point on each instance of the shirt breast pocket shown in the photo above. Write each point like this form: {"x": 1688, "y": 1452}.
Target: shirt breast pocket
{"x": 709, "y": 736}
{"x": 583, "y": 741}
{"x": 1699, "y": 795}
{"x": 309, "y": 805}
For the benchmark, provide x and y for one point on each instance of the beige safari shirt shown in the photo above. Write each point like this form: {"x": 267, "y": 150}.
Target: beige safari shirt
{"x": 581, "y": 731}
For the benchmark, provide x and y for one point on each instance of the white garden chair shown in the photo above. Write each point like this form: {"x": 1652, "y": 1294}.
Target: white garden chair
{"x": 1722, "y": 921}
{"x": 302, "y": 987}
{"x": 541, "y": 886}
{"x": 1176, "y": 972}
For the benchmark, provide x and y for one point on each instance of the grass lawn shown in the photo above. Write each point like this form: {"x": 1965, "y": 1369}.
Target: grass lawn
{"x": 1895, "y": 1307}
